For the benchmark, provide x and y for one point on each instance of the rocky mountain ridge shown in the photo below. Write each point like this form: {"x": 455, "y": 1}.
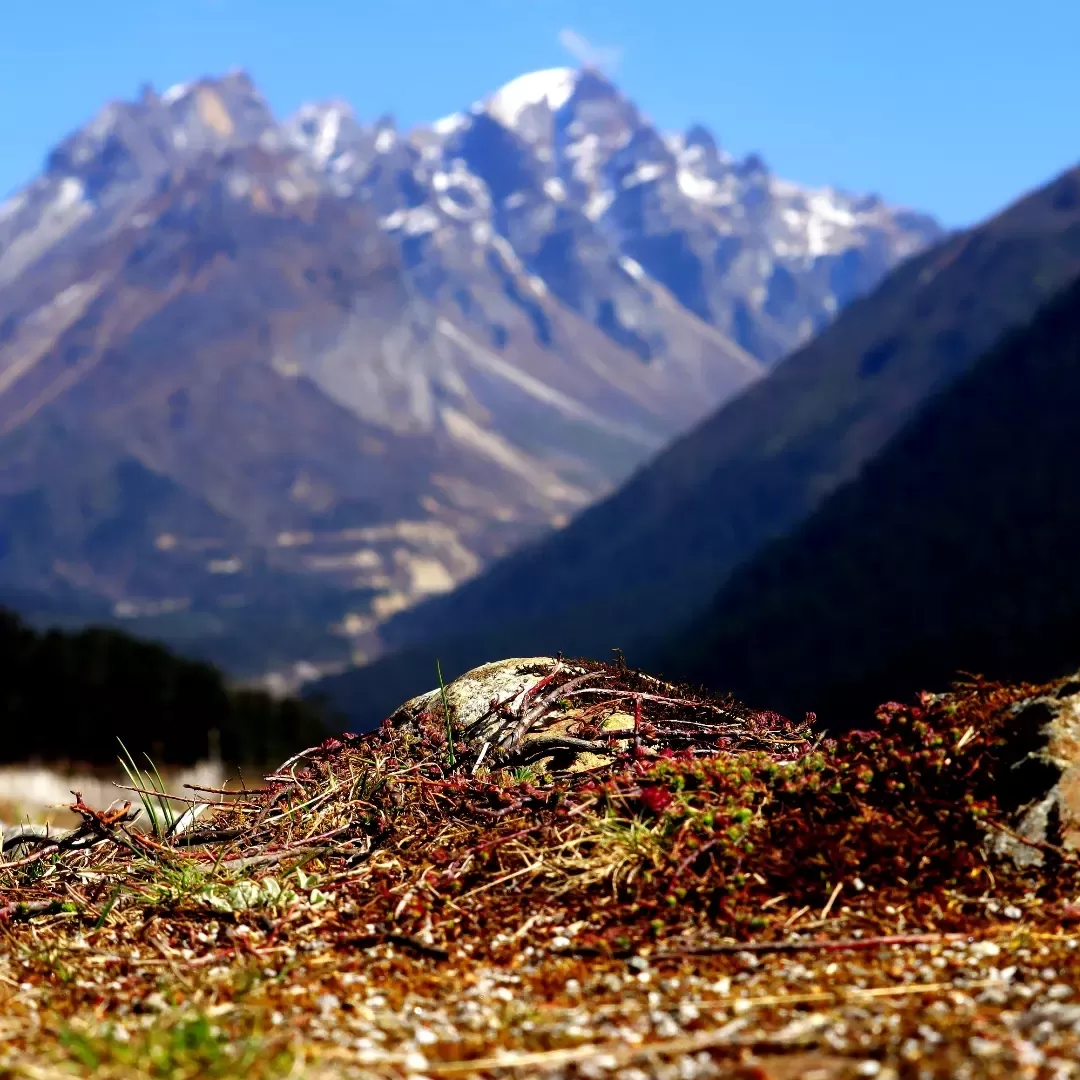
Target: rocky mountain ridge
{"x": 270, "y": 382}
{"x": 569, "y": 172}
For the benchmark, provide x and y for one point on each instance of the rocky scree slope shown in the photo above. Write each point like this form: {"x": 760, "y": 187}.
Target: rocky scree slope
{"x": 263, "y": 384}
{"x": 642, "y": 562}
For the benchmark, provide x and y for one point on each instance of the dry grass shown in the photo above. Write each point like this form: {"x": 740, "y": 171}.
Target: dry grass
{"x": 766, "y": 908}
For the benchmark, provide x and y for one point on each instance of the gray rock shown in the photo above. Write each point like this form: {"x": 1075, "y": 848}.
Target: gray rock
{"x": 577, "y": 716}
{"x": 1040, "y": 787}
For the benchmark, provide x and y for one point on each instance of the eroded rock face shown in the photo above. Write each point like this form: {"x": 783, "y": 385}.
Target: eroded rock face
{"x": 1040, "y": 786}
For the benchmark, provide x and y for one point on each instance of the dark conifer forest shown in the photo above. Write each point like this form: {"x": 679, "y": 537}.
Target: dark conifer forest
{"x": 70, "y": 696}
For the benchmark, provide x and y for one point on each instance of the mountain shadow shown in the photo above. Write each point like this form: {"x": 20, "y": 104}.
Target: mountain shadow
{"x": 953, "y": 551}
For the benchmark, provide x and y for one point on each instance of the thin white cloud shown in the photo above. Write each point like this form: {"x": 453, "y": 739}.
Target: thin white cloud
{"x": 604, "y": 57}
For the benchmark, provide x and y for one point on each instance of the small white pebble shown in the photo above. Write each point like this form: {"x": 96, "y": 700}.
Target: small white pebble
{"x": 1028, "y": 1055}
{"x": 1012, "y": 912}
{"x": 415, "y": 1062}
{"x": 688, "y": 1012}
{"x": 910, "y": 1050}
{"x": 868, "y": 1068}
{"x": 560, "y": 942}
{"x": 597, "y": 1067}
{"x": 425, "y": 1036}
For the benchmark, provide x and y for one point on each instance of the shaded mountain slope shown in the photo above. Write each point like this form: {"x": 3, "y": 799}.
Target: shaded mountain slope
{"x": 650, "y": 555}
{"x": 954, "y": 550}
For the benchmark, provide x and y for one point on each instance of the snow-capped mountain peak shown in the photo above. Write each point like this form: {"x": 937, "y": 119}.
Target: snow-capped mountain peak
{"x": 551, "y": 88}
{"x": 557, "y": 169}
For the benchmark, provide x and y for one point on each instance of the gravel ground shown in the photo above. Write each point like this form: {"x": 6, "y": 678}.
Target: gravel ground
{"x": 1004, "y": 1004}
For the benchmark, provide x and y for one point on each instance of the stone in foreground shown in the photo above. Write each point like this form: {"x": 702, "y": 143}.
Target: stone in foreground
{"x": 577, "y": 715}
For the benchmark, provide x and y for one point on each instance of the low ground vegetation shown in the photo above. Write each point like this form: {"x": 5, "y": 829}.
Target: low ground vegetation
{"x": 666, "y": 885}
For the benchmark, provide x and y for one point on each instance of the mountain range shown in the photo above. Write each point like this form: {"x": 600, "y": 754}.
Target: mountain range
{"x": 266, "y": 384}
{"x": 642, "y": 568}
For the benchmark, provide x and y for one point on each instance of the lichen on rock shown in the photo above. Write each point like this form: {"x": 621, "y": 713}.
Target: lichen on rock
{"x": 576, "y": 716}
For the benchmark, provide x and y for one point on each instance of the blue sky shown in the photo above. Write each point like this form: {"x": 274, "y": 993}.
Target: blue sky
{"x": 951, "y": 106}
